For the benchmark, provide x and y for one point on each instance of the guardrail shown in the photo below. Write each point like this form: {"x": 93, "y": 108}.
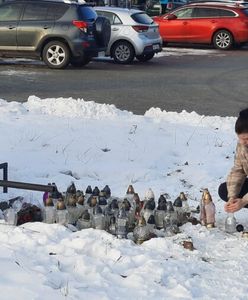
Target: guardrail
{"x": 27, "y": 186}
{"x": 5, "y": 183}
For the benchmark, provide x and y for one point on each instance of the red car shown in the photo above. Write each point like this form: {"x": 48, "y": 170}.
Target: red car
{"x": 221, "y": 24}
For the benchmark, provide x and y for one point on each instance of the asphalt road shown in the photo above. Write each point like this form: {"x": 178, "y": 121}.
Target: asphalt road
{"x": 204, "y": 80}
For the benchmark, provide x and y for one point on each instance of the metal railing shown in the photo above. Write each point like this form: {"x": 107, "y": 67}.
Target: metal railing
{"x": 27, "y": 186}
{"x": 5, "y": 183}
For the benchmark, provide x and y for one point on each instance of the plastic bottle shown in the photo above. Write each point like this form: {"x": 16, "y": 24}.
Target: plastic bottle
{"x": 230, "y": 223}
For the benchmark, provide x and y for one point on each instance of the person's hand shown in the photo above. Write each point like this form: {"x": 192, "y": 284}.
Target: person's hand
{"x": 234, "y": 205}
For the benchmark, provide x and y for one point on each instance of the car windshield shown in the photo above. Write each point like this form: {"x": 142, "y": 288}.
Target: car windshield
{"x": 86, "y": 13}
{"x": 142, "y": 18}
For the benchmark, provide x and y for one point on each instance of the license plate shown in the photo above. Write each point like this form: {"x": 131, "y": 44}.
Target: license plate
{"x": 156, "y": 47}
{"x": 101, "y": 54}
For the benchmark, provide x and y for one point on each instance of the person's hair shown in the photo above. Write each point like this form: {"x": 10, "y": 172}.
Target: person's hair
{"x": 241, "y": 125}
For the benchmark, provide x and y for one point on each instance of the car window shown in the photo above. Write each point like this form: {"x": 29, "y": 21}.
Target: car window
{"x": 113, "y": 18}
{"x": 10, "y": 12}
{"x": 36, "y": 11}
{"x": 206, "y": 12}
{"x": 184, "y": 13}
{"x": 142, "y": 18}
{"x": 116, "y": 20}
{"x": 209, "y": 12}
{"x": 44, "y": 11}
{"x": 56, "y": 11}
{"x": 86, "y": 13}
{"x": 227, "y": 13}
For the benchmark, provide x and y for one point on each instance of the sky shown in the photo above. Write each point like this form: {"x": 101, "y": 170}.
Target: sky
{"x": 66, "y": 140}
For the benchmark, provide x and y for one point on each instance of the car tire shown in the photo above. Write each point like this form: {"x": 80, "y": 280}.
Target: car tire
{"x": 123, "y": 52}
{"x": 103, "y": 31}
{"x": 223, "y": 40}
{"x": 56, "y": 55}
{"x": 80, "y": 61}
{"x": 145, "y": 57}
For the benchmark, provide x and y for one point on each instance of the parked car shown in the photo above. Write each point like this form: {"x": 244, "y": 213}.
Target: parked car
{"x": 220, "y": 24}
{"x": 133, "y": 34}
{"x": 151, "y": 7}
{"x": 57, "y": 32}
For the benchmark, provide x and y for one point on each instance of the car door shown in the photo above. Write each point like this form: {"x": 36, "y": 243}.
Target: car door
{"x": 201, "y": 26}
{"x": 9, "y": 19}
{"x": 116, "y": 26}
{"x": 172, "y": 26}
{"x": 36, "y": 22}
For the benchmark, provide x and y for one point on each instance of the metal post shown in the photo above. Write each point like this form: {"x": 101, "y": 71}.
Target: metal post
{"x": 4, "y": 166}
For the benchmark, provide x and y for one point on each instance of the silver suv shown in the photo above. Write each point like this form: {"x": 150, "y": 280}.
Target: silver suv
{"x": 56, "y": 32}
{"x": 133, "y": 34}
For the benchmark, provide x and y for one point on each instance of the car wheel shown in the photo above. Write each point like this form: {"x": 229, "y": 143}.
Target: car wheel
{"x": 123, "y": 52}
{"x": 145, "y": 57}
{"x": 103, "y": 31}
{"x": 80, "y": 61}
{"x": 223, "y": 40}
{"x": 56, "y": 55}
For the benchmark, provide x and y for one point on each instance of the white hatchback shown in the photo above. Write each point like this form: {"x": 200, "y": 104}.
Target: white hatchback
{"x": 133, "y": 34}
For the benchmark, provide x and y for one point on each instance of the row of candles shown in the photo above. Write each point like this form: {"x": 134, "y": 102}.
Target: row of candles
{"x": 97, "y": 209}
{"x": 119, "y": 216}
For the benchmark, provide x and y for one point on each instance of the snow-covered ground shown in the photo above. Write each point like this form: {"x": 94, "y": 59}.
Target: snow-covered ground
{"x": 97, "y": 144}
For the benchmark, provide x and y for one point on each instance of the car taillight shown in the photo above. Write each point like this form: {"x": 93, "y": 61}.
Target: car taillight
{"x": 81, "y": 25}
{"x": 140, "y": 28}
{"x": 86, "y": 44}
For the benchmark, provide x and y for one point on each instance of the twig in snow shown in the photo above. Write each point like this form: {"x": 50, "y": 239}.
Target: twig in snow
{"x": 196, "y": 128}
{"x": 65, "y": 290}
{"x": 133, "y": 129}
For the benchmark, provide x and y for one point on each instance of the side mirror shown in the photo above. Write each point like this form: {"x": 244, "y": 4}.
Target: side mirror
{"x": 171, "y": 17}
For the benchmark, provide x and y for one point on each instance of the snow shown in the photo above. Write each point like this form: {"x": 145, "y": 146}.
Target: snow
{"x": 175, "y": 51}
{"x": 63, "y": 140}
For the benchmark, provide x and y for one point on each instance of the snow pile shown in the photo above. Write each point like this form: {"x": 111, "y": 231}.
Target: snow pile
{"x": 192, "y": 118}
{"x": 71, "y": 108}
